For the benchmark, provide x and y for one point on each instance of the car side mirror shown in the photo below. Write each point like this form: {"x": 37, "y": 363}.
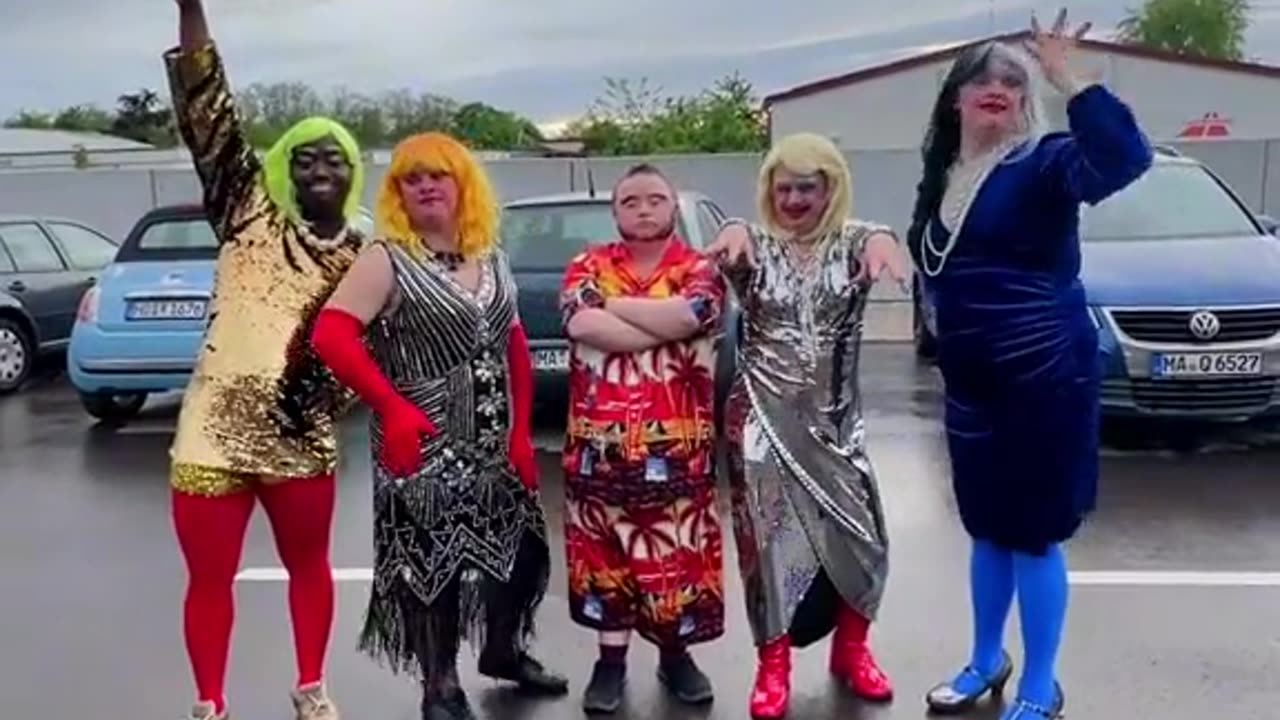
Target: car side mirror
{"x": 1269, "y": 224}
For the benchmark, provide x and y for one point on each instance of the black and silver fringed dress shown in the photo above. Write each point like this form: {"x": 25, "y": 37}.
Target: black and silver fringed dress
{"x": 460, "y": 546}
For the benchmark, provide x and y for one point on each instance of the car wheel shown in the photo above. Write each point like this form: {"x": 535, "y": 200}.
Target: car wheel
{"x": 113, "y": 407}
{"x": 17, "y": 356}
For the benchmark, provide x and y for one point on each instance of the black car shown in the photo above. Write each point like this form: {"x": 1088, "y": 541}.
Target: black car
{"x": 46, "y": 265}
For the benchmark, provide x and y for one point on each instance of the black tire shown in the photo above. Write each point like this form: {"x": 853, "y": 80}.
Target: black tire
{"x": 113, "y": 407}
{"x": 17, "y": 355}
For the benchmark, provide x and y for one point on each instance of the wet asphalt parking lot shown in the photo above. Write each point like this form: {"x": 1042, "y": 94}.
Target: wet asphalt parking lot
{"x": 1175, "y": 600}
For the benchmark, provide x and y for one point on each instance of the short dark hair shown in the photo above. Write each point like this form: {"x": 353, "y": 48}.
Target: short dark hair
{"x": 645, "y": 168}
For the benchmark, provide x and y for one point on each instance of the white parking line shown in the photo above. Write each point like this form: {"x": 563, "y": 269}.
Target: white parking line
{"x": 1175, "y": 578}
{"x": 1086, "y": 578}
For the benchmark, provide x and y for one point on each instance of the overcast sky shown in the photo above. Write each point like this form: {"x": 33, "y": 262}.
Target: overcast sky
{"x": 545, "y": 59}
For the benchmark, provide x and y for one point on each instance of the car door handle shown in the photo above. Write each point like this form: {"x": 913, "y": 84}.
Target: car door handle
{"x": 17, "y": 286}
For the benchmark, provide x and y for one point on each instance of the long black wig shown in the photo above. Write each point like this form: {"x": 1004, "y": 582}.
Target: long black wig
{"x": 942, "y": 138}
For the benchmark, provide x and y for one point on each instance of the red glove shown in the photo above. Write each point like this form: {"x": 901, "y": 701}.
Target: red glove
{"x": 521, "y": 441}
{"x": 338, "y": 338}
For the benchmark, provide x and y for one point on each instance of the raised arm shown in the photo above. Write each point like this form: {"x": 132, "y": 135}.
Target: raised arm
{"x": 695, "y": 310}
{"x": 208, "y": 120}
{"x": 586, "y": 321}
{"x": 1105, "y": 150}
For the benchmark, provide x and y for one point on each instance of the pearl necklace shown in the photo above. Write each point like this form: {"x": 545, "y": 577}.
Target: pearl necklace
{"x": 964, "y": 179}
{"x": 309, "y": 237}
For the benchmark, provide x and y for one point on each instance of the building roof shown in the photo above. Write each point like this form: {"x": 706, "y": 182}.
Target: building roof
{"x": 951, "y": 51}
{"x": 27, "y": 140}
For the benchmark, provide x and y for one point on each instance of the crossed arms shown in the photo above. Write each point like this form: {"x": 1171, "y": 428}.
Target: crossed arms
{"x": 626, "y": 324}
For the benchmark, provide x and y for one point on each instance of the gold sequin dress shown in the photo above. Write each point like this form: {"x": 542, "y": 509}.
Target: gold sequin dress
{"x": 259, "y": 405}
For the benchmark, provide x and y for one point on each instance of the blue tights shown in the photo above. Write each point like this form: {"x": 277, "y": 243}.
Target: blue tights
{"x": 1041, "y": 584}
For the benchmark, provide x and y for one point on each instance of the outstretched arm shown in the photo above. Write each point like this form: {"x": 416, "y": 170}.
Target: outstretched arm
{"x": 208, "y": 121}
{"x": 734, "y": 250}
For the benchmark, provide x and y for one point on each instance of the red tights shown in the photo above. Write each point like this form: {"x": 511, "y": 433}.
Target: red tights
{"x": 211, "y": 534}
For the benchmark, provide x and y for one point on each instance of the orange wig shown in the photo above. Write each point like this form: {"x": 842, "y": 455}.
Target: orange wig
{"x": 478, "y": 210}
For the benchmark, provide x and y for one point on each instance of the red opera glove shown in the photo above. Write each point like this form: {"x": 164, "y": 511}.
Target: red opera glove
{"x": 521, "y": 441}
{"x": 403, "y": 426}
{"x": 338, "y": 339}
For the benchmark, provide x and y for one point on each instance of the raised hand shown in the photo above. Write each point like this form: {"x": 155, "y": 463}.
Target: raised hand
{"x": 1052, "y": 49}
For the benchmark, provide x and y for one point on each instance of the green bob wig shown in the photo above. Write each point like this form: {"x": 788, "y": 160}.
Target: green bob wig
{"x": 275, "y": 170}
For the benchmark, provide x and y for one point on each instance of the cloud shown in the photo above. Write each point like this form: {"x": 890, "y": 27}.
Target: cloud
{"x": 545, "y": 59}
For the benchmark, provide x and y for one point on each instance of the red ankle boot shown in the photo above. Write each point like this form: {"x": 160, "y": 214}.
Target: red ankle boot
{"x": 772, "y": 693}
{"x": 852, "y": 661}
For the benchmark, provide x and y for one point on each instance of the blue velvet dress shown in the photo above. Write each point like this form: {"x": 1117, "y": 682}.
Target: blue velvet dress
{"x": 1016, "y": 346}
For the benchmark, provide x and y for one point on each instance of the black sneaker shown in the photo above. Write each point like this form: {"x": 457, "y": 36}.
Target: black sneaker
{"x": 683, "y": 678}
{"x": 604, "y": 692}
{"x": 530, "y": 676}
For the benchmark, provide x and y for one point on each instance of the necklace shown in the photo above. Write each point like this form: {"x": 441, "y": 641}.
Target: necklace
{"x": 308, "y": 236}
{"x": 964, "y": 179}
{"x": 449, "y": 259}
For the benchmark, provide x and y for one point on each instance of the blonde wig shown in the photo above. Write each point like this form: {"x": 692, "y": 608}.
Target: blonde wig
{"x": 806, "y": 154}
{"x": 478, "y": 209}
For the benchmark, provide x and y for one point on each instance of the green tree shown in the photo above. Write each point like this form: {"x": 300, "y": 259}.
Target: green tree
{"x": 31, "y": 120}
{"x": 143, "y": 117}
{"x": 634, "y": 119}
{"x": 1211, "y": 28}
{"x": 488, "y": 128}
{"x": 84, "y": 118}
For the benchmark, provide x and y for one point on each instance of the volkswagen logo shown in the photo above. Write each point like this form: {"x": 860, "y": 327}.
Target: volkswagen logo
{"x": 1204, "y": 325}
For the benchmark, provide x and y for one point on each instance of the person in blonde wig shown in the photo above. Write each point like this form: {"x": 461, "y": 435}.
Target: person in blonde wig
{"x": 459, "y": 537}
{"x": 807, "y": 514}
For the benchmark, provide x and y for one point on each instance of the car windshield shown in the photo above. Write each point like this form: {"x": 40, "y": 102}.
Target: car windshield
{"x": 547, "y": 236}
{"x": 1169, "y": 201}
{"x": 172, "y": 238}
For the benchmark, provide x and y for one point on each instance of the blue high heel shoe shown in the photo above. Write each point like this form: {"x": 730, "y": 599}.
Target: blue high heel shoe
{"x": 1027, "y": 710}
{"x": 945, "y": 699}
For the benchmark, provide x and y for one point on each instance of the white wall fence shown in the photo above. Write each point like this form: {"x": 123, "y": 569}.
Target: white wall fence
{"x": 883, "y": 189}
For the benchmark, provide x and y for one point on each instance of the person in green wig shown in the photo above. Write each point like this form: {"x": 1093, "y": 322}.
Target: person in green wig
{"x": 258, "y": 417}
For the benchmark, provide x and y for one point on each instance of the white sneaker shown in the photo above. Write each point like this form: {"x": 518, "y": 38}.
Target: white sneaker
{"x": 313, "y": 703}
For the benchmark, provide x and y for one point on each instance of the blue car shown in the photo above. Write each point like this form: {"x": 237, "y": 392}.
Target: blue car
{"x": 139, "y": 330}
{"x": 1183, "y": 281}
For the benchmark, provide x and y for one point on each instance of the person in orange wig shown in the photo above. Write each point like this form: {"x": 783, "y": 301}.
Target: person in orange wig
{"x": 425, "y": 328}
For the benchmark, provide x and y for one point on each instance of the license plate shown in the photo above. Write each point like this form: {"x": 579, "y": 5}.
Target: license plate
{"x": 166, "y": 310}
{"x": 557, "y": 360}
{"x": 1182, "y": 365}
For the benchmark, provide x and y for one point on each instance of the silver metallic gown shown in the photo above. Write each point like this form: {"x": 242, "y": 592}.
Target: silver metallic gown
{"x": 807, "y": 513}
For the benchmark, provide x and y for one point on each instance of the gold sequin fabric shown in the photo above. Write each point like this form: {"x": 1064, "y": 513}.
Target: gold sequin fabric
{"x": 259, "y": 402}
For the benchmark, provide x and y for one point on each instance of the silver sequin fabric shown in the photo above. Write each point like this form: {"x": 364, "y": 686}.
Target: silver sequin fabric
{"x": 805, "y": 497}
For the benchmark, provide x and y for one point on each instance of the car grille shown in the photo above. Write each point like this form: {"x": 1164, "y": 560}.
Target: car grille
{"x": 1226, "y": 395}
{"x": 1174, "y": 326}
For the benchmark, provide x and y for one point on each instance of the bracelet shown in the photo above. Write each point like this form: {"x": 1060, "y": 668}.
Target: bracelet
{"x": 734, "y": 221}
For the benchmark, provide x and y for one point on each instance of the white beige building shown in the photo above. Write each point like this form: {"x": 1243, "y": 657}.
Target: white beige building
{"x": 1177, "y": 98}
